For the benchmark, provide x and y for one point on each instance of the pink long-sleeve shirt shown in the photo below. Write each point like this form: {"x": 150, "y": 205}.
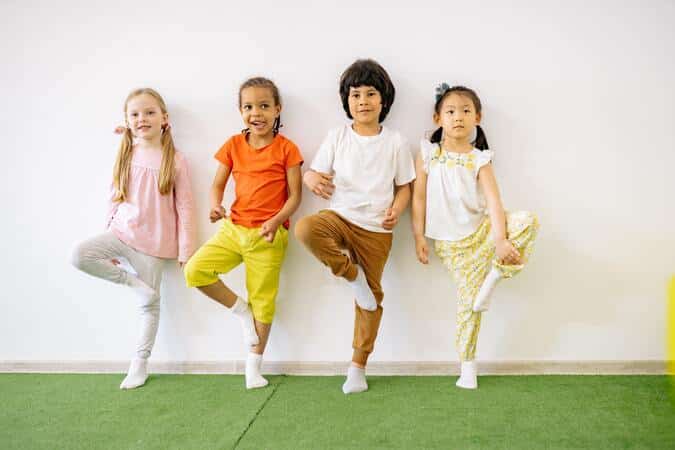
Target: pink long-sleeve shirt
{"x": 158, "y": 225}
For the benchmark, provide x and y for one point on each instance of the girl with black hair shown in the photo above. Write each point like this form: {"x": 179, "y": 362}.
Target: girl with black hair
{"x": 456, "y": 203}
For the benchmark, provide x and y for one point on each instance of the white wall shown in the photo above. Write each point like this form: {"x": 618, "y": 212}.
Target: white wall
{"x": 578, "y": 106}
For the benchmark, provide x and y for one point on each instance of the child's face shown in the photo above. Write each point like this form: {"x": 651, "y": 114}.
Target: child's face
{"x": 145, "y": 117}
{"x": 259, "y": 110}
{"x": 457, "y": 116}
{"x": 365, "y": 104}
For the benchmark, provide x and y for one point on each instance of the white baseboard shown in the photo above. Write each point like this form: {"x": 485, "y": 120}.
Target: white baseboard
{"x": 641, "y": 367}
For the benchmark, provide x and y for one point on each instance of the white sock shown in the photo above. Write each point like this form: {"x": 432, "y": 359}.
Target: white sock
{"x": 253, "y": 377}
{"x": 468, "y": 378}
{"x": 356, "y": 380}
{"x": 484, "y": 296}
{"x": 138, "y": 373}
{"x": 364, "y": 296}
{"x": 241, "y": 310}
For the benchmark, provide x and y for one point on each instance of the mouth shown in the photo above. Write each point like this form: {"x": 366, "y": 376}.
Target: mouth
{"x": 143, "y": 128}
{"x": 258, "y": 124}
{"x": 458, "y": 127}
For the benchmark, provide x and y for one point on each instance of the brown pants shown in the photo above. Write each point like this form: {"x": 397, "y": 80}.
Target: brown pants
{"x": 326, "y": 234}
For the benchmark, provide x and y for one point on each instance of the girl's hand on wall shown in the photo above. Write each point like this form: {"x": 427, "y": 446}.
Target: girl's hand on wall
{"x": 217, "y": 213}
{"x": 390, "y": 218}
{"x": 507, "y": 253}
{"x": 320, "y": 183}
{"x": 422, "y": 249}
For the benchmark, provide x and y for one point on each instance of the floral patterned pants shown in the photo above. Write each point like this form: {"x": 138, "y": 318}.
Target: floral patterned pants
{"x": 469, "y": 260}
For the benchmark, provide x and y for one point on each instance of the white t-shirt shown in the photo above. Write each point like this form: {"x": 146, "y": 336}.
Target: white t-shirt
{"x": 366, "y": 168}
{"x": 455, "y": 203}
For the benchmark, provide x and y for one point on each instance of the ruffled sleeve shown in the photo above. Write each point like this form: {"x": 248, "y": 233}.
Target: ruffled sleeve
{"x": 482, "y": 158}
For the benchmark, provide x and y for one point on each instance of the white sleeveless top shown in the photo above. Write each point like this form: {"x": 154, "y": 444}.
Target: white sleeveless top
{"x": 455, "y": 203}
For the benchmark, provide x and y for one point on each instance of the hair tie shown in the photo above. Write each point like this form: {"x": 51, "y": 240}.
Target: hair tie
{"x": 120, "y": 129}
{"x": 441, "y": 90}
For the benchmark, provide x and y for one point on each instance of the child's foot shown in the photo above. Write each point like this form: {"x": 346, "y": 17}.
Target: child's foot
{"x": 242, "y": 311}
{"x": 356, "y": 380}
{"x": 364, "y": 296}
{"x": 137, "y": 375}
{"x": 253, "y": 377}
{"x": 484, "y": 296}
{"x": 468, "y": 378}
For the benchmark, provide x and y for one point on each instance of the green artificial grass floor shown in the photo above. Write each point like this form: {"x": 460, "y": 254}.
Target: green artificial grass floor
{"x": 216, "y": 412}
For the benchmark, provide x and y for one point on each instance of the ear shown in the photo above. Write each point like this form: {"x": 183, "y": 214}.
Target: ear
{"x": 165, "y": 119}
{"x": 278, "y": 108}
{"x": 437, "y": 119}
{"x": 478, "y": 117}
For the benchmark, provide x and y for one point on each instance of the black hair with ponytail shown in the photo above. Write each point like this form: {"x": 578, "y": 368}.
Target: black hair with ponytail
{"x": 442, "y": 91}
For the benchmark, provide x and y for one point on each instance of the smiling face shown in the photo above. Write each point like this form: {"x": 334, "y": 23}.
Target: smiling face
{"x": 145, "y": 117}
{"x": 365, "y": 104}
{"x": 458, "y": 117}
{"x": 259, "y": 110}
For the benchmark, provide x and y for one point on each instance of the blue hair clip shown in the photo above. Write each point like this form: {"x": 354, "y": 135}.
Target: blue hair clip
{"x": 441, "y": 89}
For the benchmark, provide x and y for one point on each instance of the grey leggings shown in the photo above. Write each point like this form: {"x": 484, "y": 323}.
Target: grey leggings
{"x": 94, "y": 256}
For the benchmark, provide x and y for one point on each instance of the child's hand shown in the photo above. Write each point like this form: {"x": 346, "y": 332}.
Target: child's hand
{"x": 422, "y": 249}
{"x": 320, "y": 183}
{"x": 507, "y": 253}
{"x": 217, "y": 213}
{"x": 390, "y": 218}
{"x": 268, "y": 230}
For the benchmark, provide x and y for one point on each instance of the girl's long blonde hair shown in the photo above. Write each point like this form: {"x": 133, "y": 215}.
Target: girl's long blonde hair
{"x": 123, "y": 161}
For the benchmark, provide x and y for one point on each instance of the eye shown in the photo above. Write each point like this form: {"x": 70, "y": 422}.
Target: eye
{"x": 134, "y": 114}
{"x": 150, "y": 113}
{"x": 246, "y": 107}
{"x": 264, "y": 106}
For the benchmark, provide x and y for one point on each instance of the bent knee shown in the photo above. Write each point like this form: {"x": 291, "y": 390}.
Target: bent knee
{"x": 78, "y": 257}
{"x": 303, "y": 229}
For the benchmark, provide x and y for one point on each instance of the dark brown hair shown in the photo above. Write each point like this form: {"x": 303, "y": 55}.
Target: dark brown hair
{"x": 366, "y": 72}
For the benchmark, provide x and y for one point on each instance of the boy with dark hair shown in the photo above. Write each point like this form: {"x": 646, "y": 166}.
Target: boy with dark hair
{"x": 365, "y": 169}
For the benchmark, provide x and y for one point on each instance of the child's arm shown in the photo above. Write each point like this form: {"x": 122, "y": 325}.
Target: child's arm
{"x": 401, "y": 199}
{"x": 185, "y": 211}
{"x": 504, "y": 249}
{"x": 293, "y": 178}
{"x": 419, "y": 210}
{"x": 216, "y": 195}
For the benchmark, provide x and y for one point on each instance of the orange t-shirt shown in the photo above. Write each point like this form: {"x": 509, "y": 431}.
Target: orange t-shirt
{"x": 261, "y": 188}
